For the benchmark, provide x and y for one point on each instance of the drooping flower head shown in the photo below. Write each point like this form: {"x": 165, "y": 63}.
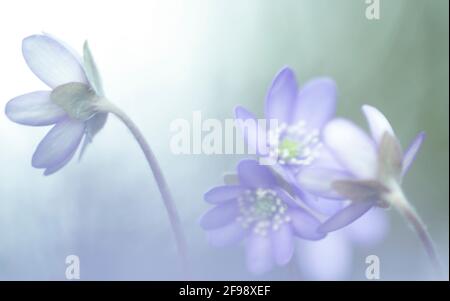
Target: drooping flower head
{"x": 69, "y": 106}
{"x": 257, "y": 210}
{"x": 374, "y": 165}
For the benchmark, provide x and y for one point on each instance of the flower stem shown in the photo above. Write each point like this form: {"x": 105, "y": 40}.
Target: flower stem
{"x": 160, "y": 180}
{"x": 397, "y": 198}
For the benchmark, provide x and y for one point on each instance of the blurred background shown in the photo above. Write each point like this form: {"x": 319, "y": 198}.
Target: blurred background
{"x": 161, "y": 60}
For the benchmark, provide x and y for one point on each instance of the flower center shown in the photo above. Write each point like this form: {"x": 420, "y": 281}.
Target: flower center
{"x": 262, "y": 210}
{"x": 294, "y": 144}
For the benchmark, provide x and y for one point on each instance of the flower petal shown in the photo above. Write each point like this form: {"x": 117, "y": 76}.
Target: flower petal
{"x": 53, "y": 169}
{"x": 324, "y": 206}
{"x": 58, "y": 144}
{"x": 91, "y": 70}
{"x": 411, "y": 152}
{"x": 304, "y": 224}
{"x": 259, "y": 254}
{"x": 51, "y": 61}
{"x": 34, "y": 109}
{"x": 319, "y": 181}
{"x": 281, "y": 96}
{"x": 316, "y": 103}
{"x": 253, "y": 175}
{"x": 346, "y": 216}
{"x": 93, "y": 126}
{"x": 378, "y": 123}
{"x": 326, "y": 259}
{"x": 352, "y": 147}
{"x": 255, "y": 136}
{"x": 227, "y": 235}
{"x": 283, "y": 244}
{"x": 219, "y": 216}
{"x": 222, "y": 194}
{"x": 370, "y": 229}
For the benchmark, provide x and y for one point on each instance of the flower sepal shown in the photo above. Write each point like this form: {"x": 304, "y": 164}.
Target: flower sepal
{"x": 78, "y": 100}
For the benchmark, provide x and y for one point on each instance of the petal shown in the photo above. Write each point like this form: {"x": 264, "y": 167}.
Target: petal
{"x": 227, "y": 235}
{"x": 346, "y": 216}
{"x": 283, "y": 244}
{"x": 253, "y": 175}
{"x": 352, "y": 147}
{"x": 304, "y": 224}
{"x": 370, "y": 229}
{"x": 255, "y": 135}
{"x": 319, "y": 181}
{"x": 35, "y": 109}
{"x": 324, "y": 206}
{"x": 219, "y": 216}
{"x": 93, "y": 126}
{"x": 378, "y": 123}
{"x": 51, "y": 61}
{"x": 281, "y": 96}
{"x": 91, "y": 70}
{"x": 259, "y": 254}
{"x": 316, "y": 103}
{"x": 411, "y": 152}
{"x": 326, "y": 259}
{"x": 53, "y": 169}
{"x": 222, "y": 194}
{"x": 58, "y": 144}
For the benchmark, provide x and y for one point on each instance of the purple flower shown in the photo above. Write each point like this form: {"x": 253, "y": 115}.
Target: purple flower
{"x": 295, "y": 144}
{"x": 256, "y": 209}
{"x": 375, "y": 166}
{"x": 70, "y": 106}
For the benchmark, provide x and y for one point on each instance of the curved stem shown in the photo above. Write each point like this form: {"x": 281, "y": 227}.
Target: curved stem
{"x": 397, "y": 198}
{"x": 160, "y": 180}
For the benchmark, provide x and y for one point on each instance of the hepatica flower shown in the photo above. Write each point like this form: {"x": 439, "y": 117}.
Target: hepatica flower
{"x": 69, "y": 106}
{"x": 257, "y": 210}
{"x": 77, "y": 107}
{"x": 294, "y": 144}
{"x": 375, "y": 168}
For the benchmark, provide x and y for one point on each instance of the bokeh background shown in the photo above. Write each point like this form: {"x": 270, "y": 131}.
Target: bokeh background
{"x": 160, "y": 60}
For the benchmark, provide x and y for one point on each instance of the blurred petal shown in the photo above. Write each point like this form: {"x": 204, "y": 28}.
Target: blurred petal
{"x": 58, "y": 144}
{"x": 323, "y": 205}
{"x": 91, "y": 70}
{"x": 93, "y": 126}
{"x": 346, "y": 216}
{"x": 319, "y": 181}
{"x": 411, "y": 152}
{"x": 221, "y": 194}
{"x": 304, "y": 224}
{"x": 281, "y": 96}
{"x": 53, "y": 169}
{"x": 283, "y": 244}
{"x": 255, "y": 136}
{"x": 259, "y": 254}
{"x": 352, "y": 147}
{"x": 51, "y": 61}
{"x": 316, "y": 103}
{"x": 227, "y": 235}
{"x": 370, "y": 229}
{"x": 326, "y": 259}
{"x": 219, "y": 216}
{"x": 378, "y": 123}
{"x": 35, "y": 109}
{"x": 253, "y": 175}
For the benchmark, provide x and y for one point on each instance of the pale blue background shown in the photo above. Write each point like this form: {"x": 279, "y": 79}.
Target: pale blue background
{"x": 161, "y": 60}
